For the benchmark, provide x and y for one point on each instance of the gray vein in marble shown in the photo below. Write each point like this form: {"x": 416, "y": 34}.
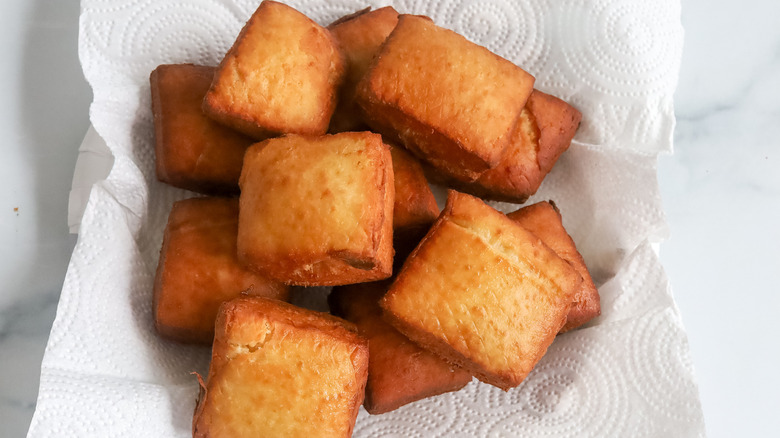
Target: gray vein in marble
{"x": 31, "y": 315}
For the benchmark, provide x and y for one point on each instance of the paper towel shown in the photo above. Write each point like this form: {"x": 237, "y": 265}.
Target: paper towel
{"x": 106, "y": 373}
{"x": 93, "y": 164}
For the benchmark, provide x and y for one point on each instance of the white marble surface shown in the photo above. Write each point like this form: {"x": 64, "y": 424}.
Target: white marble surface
{"x": 721, "y": 192}
{"x": 43, "y": 116}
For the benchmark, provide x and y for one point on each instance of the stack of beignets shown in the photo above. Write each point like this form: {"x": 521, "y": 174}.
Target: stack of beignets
{"x": 481, "y": 293}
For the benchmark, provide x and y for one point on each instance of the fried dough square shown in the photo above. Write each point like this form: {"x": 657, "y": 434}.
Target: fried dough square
{"x": 449, "y": 101}
{"x": 281, "y": 76}
{"x": 360, "y": 36}
{"x": 544, "y": 220}
{"x": 317, "y": 211}
{"x": 281, "y": 371}
{"x": 199, "y": 270}
{"x": 399, "y": 371}
{"x": 544, "y": 131}
{"x": 482, "y": 292}
{"x": 415, "y": 206}
{"x": 192, "y": 151}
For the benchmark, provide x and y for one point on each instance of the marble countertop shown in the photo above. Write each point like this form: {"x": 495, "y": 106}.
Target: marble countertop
{"x": 721, "y": 192}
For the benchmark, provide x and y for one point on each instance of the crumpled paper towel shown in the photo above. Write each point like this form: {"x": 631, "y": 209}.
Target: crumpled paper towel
{"x": 93, "y": 164}
{"x": 106, "y": 373}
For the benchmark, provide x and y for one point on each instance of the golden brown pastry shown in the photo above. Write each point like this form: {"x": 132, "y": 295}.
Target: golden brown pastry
{"x": 399, "y": 371}
{"x": 482, "y": 292}
{"x": 360, "y": 35}
{"x": 451, "y": 102}
{"x": 281, "y": 76}
{"x": 543, "y": 132}
{"x": 281, "y": 371}
{"x": 198, "y": 269}
{"x": 192, "y": 151}
{"x": 317, "y": 211}
{"x": 415, "y": 206}
{"x": 544, "y": 220}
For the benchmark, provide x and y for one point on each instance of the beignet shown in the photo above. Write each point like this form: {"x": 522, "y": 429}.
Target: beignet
{"x": 399, "y": 371}
{"x": 415, "y": 206}
{"x": 281, "y": 371}
{"x": 317, "y": 211}
{"x": 544, "y": 131}
{"x": 482, "y": 292}
{"x": 360, "y": 35}
{"x": 281, "y": 76}
{"x": 449, "y": 101}
{"x": 198, "y": 269}
{"x": 544, "y": 220}
{"x": 192, "y": 151}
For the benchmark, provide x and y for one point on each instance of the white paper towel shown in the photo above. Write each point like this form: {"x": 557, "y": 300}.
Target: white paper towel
{"x": 93, "y": 164}
{"x": 106, "y": 373}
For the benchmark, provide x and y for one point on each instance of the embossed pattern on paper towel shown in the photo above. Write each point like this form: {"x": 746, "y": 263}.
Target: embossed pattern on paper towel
{"x": 106, "y": 373}
{"x": 625, "y": 53}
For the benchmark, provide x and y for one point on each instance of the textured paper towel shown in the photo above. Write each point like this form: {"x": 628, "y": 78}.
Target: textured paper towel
{"x": 106, "y": 373}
